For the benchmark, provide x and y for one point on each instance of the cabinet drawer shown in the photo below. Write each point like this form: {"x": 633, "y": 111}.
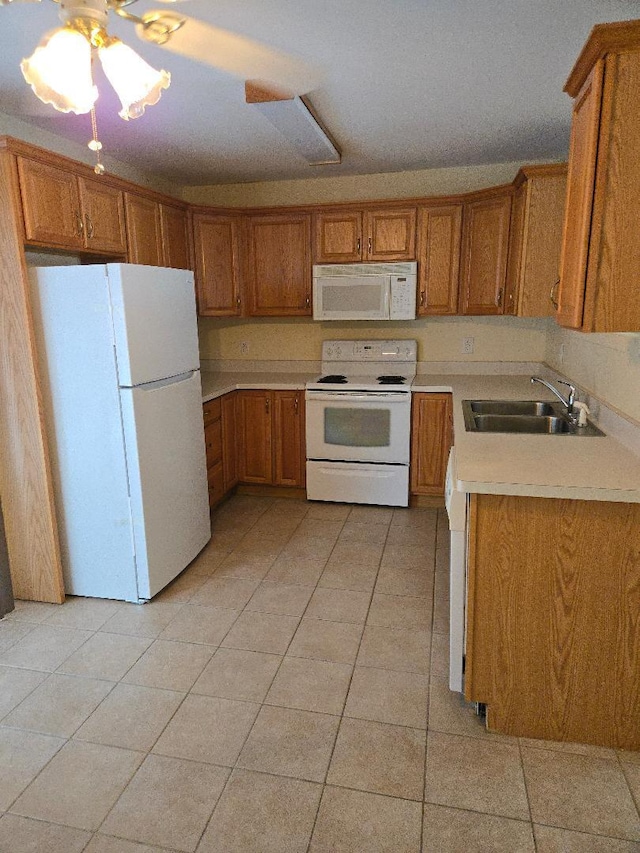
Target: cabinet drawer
{"x": 213, "y": 442}
{"x": 212, "y": 411}
{"x": 216, "y": 483}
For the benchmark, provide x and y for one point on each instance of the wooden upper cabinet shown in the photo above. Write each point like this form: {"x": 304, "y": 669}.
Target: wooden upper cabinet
{"x": 439, "y": 234}
{"x": 337, "y": 237}
{"x": 580, "y": 189}
{"x": 174, "y": 228}
{"x": 485, "y": 246}
{"x": 431, "y": 440}
{"x": 215, "y": 240}
{"x": 279, "y": 264}
{"x": 289, "y": 463}
{"x": 390, "y": 234}
{"x": 536, "y": 237}
{"x": 103, "y": 216}
{"x": 50, "y": 205}
{"x": 143, "y": 230}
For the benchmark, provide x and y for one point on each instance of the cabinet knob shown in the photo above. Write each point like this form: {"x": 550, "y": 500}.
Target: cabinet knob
{"x": 369, "y": 245}
{"x": 238, "y": 302}
{"x": 266, "y": 405}
{"x": 295, "y": 404}
{"x": 422, "y": 295}
{"x": 307, "y": 302}
{"x": 79, "y": 224}
{"x": 552, "y": 294}
{"x": 499, "y": 297}
{"x": 89, "y": 223}
{"x": 358, "y": 246}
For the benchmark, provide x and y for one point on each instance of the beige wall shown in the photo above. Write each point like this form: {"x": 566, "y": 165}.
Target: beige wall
{"x": 425, "y": 182}
{"x": 11, "y": 126}
{"x": 607, "y": 366}
{"x": 439, "y": 339}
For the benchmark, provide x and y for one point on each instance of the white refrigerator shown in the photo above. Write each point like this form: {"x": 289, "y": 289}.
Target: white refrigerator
{"x": 119, "y": 366}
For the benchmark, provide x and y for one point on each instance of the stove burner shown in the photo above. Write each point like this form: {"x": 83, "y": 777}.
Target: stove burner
{"x": 333, "y": 379}
{"x": 391, "y": 380}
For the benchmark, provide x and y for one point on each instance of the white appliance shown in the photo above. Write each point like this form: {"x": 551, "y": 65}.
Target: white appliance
{"x": 365, "y": 291}
{"x": 456, "y": 506}
{"x": 358, "y": 423}
{"x": 119, "y": 366}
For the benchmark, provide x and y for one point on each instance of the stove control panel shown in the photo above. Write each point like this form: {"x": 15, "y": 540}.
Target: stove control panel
{"x": 364, "y": 351}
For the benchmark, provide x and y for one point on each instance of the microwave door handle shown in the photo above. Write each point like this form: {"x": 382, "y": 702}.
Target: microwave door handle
{"x": 386, "y": 299}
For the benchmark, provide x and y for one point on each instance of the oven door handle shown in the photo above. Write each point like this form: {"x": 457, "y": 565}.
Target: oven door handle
{"x": 348, "y": 396}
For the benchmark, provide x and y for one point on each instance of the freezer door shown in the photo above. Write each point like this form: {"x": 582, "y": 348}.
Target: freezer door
{"x": 154, "y": 322}
{"x": 164, "y": 441}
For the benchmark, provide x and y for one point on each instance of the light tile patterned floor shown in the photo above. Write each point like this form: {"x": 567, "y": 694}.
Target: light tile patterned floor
{"x": 287, "y": 693}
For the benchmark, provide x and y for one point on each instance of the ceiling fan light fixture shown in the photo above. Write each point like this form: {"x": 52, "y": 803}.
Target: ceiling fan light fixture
{"x": 59, "y": 71}
{"x": 137, "y": 84}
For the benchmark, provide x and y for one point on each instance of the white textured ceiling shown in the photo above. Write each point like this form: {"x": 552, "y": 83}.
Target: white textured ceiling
{"x": 408, "y": 84}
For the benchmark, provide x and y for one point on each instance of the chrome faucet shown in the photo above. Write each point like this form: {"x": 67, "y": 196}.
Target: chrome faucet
{"x": 568, "y": 402}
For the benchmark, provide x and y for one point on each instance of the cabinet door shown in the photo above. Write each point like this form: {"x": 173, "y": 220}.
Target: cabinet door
{"x": 143, "y": 230}
{"x": 431, "y": 439}
{"x": 279, "y": 265}
{"x": 439, "y": 233}
{"x": 390, "y": 234}
{"x": 583, "y": 149}
{"x": 337, "y": 237}
{"x": 103, "y": 214}
{"x": 254, "y": 410}
{"x": 50, "y": 205}
{"x": 485, "y": 245}
{"x": 216, "y": 265}
{"x": 174, "y": 228}
{"x": 289, "y": 462}
{"x": 229, "y": 441}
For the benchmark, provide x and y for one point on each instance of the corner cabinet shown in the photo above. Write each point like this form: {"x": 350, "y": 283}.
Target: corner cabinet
{"x": 431, "y": 440}
{"x": 216, "y": 255}
{"x": 600, "y": 267}
{"x": 485, "y": 247}
{"x": 439, "y": 235}
{"x": 220, "y": 435}
{"x": 278, "y": 265}
{"x": 535, "y": 242}
{"x": 272, "y": 447}
{"x": 347, "y": 236}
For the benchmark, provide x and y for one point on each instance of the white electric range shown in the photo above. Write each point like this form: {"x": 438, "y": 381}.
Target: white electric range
{"x": 358, "y": 422}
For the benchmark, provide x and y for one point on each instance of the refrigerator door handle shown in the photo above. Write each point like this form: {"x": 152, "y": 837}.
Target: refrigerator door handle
{"x": 162, "y": 383}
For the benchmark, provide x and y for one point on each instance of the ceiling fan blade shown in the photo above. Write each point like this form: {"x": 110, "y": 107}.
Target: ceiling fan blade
{"x": 243, "y": 57}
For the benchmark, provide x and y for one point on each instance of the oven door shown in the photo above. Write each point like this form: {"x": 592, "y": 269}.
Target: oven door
{"x": 359, "y": 426}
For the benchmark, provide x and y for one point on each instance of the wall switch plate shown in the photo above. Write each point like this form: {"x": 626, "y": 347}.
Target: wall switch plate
{"x": 244, "y": 348}
{"x": 467, "y": 346}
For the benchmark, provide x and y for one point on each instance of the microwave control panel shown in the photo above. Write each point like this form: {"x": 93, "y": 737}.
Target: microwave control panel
{"x": 403, "y": 297}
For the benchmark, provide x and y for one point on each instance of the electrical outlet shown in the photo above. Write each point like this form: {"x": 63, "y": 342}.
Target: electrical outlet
{"x": 244, "y": 348}
{"x": 467, "y": 346}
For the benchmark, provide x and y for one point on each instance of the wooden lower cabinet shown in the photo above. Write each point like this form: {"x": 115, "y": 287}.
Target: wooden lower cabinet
{"x": 553, "y": 610}
{"x": 221, "y": 442}
{"x": 271, "y": 427}
{"x": 431, "y": 439}
{"x": 230, "y": 440}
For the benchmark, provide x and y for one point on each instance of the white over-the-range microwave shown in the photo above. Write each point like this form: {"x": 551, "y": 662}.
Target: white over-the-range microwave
{"x": 365, "y": 291}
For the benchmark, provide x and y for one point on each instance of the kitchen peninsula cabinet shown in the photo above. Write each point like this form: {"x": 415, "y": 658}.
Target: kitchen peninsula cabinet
{"x": 600, "y": 266}
{"x": 439, "y": 235}
{"x": 144, "y": 230}
{"x": 220, "y": 435}
{"x": 485, "y": 246}
{"x": 348, "y": 236}
{"x": 535, "y": 240}
{"x": 229, "y": 403}
{"x": 63, "y": 210}
{"x": 278, "y": 265}
{"x": 271, "y": 425}
{"x": 216, "y": 254}
{"x": 431, "y": 440}
{"x": 553, "y": 611}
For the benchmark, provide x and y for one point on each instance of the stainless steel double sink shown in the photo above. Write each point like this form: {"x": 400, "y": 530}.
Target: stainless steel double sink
{"x": 522, "y": 416}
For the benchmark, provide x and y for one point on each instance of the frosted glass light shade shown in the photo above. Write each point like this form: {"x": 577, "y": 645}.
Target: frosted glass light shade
{"x": 137, "y": 84}
{"x": 59, "y": 71}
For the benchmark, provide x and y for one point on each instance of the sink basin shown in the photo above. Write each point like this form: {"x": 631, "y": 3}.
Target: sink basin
{"x": 523, "y": 417}
{"x": 521, "y": 423}
{"x": 513, "y": 407}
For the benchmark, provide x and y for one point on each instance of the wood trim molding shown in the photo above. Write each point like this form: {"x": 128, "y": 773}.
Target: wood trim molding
{"x": 25, "y": 474}
{"x": 544, "y": 170}
{"x": 603, "y": 39}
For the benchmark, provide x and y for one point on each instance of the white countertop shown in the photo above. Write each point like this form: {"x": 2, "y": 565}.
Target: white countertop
{"x": 556, "y": 466}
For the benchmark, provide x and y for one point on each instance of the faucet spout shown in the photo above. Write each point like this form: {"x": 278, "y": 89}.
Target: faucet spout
{"x": 568, "y": 401}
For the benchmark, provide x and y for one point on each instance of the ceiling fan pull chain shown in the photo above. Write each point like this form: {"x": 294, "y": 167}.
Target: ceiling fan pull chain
{"x": 95, "y": 144}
